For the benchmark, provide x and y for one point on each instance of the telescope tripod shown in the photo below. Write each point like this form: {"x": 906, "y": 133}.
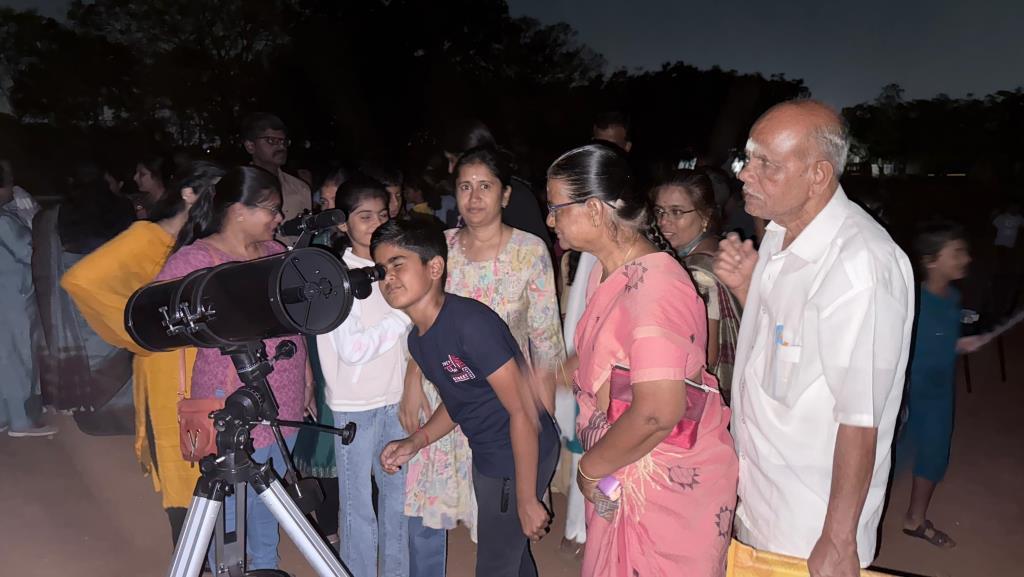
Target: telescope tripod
{"x": 232, "y": 468}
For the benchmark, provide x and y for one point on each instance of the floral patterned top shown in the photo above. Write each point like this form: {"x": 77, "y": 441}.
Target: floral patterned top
{"x": 519, "y": 285}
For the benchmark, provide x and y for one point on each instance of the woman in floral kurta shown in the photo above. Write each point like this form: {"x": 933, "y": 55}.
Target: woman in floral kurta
{"x": 518, "y": 283}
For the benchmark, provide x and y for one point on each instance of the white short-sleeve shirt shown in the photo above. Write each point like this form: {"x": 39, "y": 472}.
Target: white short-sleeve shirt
{"x": 824, "y": 341}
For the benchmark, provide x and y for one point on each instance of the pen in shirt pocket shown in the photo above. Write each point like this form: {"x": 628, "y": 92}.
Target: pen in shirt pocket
{"x": 788, "y": 352}
{"x": 779, "y": 340}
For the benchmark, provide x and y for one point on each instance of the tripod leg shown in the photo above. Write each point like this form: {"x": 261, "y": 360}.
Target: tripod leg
{"x": 229, "y": 557}
{"x": 319, "y": 555}
{"x": 202, "y": 516}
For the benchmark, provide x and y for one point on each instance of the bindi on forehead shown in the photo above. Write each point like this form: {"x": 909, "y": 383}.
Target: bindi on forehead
{"x": 476, "y": 173}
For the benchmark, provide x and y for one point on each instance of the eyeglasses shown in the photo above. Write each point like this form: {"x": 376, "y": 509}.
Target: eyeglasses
{"x": 675, "y": 213}
{"x": 554, "y": 208}
{"x": 275, "y": 141}
{"x": 274, "y": 210}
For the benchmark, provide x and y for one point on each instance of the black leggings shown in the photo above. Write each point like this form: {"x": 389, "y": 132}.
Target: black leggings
{"x": 503, "y": 550}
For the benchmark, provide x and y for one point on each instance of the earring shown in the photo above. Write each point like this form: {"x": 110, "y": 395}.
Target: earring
{"x": 704, "y": 227}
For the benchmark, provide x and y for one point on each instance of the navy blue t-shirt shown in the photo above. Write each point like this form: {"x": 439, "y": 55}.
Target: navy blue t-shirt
{"x": 465, "y": 345}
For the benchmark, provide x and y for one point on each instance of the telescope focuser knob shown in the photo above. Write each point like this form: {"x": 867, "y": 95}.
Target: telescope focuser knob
{"x": 284, "y": 350}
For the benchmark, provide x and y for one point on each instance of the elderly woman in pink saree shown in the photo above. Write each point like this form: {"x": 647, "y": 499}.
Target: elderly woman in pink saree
{"x": 659, "y": 472}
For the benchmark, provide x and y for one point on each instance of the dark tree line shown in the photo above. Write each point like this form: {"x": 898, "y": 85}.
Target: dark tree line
{"x": 979, "y": 136}
{"x": 350, "y": 78}
{"x": 370, "y": 76}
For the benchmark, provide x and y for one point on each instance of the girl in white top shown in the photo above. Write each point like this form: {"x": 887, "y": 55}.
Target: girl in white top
{"x": 363, "y": 363}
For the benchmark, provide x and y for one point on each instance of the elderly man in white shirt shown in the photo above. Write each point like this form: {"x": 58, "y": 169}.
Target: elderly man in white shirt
{"x": 823, "y": 346}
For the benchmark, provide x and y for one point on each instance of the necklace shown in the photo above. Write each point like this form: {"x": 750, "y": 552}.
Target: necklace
{"x": 625, "y": 259}
{"x": 464, "y": 235}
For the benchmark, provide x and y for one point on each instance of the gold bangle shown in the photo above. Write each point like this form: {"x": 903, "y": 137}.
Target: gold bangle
{"x": 587, "y": 477}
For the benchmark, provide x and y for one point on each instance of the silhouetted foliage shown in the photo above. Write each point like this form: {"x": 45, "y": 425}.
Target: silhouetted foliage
{"x": 980, "y": 136}
{"x": 350, "y": 77}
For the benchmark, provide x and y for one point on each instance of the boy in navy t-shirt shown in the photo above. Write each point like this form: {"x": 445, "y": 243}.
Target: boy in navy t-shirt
{"x": 467, "y": 351}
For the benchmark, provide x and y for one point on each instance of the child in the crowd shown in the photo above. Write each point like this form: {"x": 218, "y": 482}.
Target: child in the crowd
{"x": 363, "y": 363}
{"x": 943, "y": 258}
{"x": 467, "y": 351}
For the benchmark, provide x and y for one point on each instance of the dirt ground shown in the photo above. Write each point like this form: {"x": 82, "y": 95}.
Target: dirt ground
{"x": 78, "y": 505}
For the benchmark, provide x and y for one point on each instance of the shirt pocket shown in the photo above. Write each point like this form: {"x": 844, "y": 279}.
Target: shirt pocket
{"x": 784, "y": 368}
{"x": 788, "y": 360}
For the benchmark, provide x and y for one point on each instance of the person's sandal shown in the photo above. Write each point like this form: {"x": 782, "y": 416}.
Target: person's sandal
{"x": 937, "y": 538}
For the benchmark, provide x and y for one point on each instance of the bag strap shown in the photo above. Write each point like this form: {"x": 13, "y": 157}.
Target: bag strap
{"x": 181, "y": 374}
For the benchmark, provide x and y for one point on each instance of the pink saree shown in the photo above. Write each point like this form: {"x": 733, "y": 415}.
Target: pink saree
{"x": 677, "y": 504}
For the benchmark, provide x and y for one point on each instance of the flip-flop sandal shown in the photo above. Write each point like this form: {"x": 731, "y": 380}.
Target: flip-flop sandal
{"x": 937, "y": 538}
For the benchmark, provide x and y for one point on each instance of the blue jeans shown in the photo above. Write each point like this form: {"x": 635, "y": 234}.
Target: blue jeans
{"x": 261, "y": 534}
{"x": 427, "y": 549}
{"x": 359, "y": 529}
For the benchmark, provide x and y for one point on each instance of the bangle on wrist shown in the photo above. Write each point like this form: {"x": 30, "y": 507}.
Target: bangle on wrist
{"x": 585, "y": 476}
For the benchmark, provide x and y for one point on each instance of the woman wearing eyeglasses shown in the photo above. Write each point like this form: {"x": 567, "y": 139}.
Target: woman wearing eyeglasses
{"x": 684, "y": 206}
{"x": 236, "y": 221}
{"x": 659, "y": 469}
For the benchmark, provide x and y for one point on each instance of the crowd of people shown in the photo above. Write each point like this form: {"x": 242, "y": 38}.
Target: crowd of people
{"x": 697, "y": 363}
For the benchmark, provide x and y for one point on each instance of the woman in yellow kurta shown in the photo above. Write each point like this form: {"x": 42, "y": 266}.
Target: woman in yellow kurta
{"x": 100, "y": 284}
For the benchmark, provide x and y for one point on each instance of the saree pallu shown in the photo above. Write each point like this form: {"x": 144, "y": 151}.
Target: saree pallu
{"x": 79, "y": 371}
{"x": 723, "y": 307}
{"x": 676, "y": 509}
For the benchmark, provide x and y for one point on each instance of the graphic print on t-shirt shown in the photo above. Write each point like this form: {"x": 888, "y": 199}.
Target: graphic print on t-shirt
{"x": 458, "y": 369}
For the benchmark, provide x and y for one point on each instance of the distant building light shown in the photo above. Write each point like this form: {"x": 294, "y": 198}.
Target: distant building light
{"x": 957, "y": 174}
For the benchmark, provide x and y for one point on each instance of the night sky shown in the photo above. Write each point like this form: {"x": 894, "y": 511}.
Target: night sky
{"x": 844, "y": 51}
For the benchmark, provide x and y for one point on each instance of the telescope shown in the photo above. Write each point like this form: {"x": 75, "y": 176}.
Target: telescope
{"x": 233, "y": 307}
{"x": 305, "y": 291}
